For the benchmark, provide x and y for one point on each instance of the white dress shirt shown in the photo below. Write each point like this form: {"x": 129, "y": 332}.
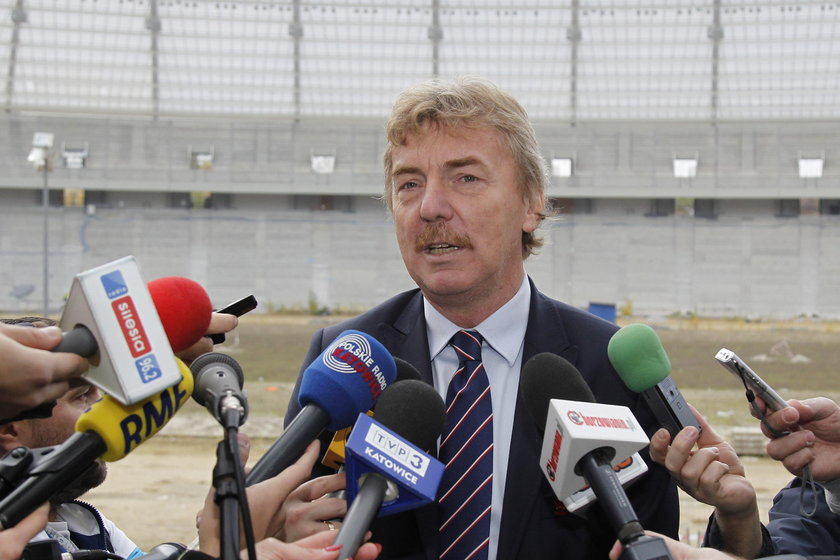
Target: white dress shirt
{"x": 501, "y": 353}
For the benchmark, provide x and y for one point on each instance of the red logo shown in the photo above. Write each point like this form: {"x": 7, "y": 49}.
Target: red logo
{"x": 551, "y": 467}
{"x": 131, "y": 326}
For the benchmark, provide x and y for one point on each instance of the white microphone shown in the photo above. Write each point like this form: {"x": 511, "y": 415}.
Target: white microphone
{"x": 583, "y": 440}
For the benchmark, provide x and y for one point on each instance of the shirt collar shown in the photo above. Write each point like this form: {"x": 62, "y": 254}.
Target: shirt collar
{"x": 503, "y": 330}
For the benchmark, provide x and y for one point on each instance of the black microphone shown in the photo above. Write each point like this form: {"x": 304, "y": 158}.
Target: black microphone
{"x": 548, "y": 376}
{"x": 413, "y": 410}
{"x": 218, "y": 387}
{"x": 344, "y": 380}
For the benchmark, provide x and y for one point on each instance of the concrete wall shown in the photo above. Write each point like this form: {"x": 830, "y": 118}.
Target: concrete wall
{"x": 746, "y": 262}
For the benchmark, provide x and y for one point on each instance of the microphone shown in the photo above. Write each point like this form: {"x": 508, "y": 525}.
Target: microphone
{"x": 636, "y": 353}
{"x": 343, "y": 381}
{"x": 109, "y": 430}
{"x": 388, "y": 470}
{"x": 114, "y": 319}
{"x": 582, "y": 439}
{"x": 334, "y": 456}
{"x": 218, "y": 387}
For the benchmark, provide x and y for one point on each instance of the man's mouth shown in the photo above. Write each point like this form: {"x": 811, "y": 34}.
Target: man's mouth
{"x": 441, "y": 248}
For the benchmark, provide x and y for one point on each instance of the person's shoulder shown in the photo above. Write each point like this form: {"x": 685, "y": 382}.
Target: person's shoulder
{"x": 573, "y": 318}
{"x": 387, "y": 312}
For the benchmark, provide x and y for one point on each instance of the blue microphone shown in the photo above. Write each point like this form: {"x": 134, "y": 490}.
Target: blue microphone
{"x": 343, "y": 381}
{"x": 388, "y": 469}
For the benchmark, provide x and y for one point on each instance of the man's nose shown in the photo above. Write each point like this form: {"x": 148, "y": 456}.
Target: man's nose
{"x": 436, "y": 204}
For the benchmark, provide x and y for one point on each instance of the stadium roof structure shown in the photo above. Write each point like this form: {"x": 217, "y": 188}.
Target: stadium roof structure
{"x": 567, "y": 61}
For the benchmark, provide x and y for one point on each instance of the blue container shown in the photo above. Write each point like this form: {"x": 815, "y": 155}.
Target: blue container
{"x": 603, "y": 310}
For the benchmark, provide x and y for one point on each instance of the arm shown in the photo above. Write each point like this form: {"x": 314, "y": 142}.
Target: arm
{"x": 714, "y": 475}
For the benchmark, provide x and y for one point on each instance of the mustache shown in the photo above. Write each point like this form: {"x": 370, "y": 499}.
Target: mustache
{"x": 438, "y": 232}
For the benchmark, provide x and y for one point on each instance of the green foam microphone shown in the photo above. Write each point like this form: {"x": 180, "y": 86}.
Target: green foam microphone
{"x": 636, "y": 353}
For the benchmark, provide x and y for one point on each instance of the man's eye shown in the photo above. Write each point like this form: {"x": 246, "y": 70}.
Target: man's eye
{"x": 407, "y": 185}
{"x": 469, "y": 178}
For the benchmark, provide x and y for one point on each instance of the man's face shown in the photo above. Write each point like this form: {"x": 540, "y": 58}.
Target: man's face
{"x": 45, "y": 432}
{"x": 459, "y": 215}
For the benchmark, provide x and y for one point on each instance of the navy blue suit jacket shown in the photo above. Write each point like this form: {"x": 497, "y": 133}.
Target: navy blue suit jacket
{"x": 534, "y": 524}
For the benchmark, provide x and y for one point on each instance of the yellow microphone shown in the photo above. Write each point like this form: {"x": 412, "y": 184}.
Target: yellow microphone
{"x": 108, "y": 430}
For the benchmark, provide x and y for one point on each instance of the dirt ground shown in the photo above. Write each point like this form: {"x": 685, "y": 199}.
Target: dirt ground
{"x": 154, "y": 493}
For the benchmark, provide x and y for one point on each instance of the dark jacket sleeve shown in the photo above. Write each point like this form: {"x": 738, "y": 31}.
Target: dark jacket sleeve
{"x": 795, "y": 533}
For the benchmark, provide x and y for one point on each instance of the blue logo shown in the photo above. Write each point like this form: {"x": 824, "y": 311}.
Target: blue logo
{"x": 114, "y": 284}
{"x": 148, "y": 368}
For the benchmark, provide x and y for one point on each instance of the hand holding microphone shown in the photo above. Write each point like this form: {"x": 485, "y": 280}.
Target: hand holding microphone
{"x": 343, "y": 381}
{"x": 582, "y": 439}
{"x": 29, "y": 373}
{"x": 388, "y": 469}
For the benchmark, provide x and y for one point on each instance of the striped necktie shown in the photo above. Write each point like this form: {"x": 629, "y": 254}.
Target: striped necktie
{"x": 466, "y": 448}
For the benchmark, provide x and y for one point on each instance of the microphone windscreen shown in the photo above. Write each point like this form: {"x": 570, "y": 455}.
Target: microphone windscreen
{"x": 636, "y": 353}
{"x": 405, "y": 370}
{"x": 184, "y": 309}
{"x": 347, "y": 377}
{"x": 123, "y": 427}
{"x": 548, "y": 376}
{"x": 412, "y": 409}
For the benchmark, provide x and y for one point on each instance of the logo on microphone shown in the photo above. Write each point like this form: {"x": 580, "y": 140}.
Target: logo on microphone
{"x": 114, "y": 284}
{"x": 551, "y": 466}
{"x": 352, "y": 354}
{"x": 599, "y": 421}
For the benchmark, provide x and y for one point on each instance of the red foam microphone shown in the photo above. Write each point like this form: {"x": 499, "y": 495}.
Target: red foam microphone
{"x": 184, "y": 309}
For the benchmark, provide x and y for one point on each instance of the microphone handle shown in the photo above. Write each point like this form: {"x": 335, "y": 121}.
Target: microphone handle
{"x": 600, "y": 475}
{"x": 69, "y": 460}
{"x": 79, "y": 341}
{"x": 360, "y": 515}
{"x": 291, "y": 444}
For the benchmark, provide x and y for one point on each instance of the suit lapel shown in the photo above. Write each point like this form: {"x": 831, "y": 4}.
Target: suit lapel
{"x": 406, "y": 338}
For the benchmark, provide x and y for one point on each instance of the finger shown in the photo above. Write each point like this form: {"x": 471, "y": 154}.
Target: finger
{"x": 244, "y": 443}
{"x": 794, "y": 442}
{"x": 321, "y": 486}
{"x": 701, "y": 460}
{"x": 222, "y": 323}
{"x": 202, "y": 346}
{"x": 711, "y": 476}
{"x": 659, "y": 445}
{"x": 680, "y": 451}
{"x": 45, "y": 338}
{"x": 615, "y": 551}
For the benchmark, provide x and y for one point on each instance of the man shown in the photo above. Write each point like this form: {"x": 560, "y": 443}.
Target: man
{"x": 465, "y": 181}
{"x": 74, "y": 524}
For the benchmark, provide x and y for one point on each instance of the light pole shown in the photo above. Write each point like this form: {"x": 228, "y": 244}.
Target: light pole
{"x": 39, "y": 157}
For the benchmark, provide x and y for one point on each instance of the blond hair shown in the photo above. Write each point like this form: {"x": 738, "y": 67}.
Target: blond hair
{"x": 470, "y": 102}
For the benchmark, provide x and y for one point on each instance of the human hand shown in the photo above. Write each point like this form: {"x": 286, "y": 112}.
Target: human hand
{"x": 679, "y": 551}
{"x": 713, "y": 474}
{"x": 219, "y": 323}
{"x": 14, "y": 539}
{"x": 29, "y": 373}
{"x": 309, "y": 506}
{"x": 315, "y": 547}
{"x": 264, "y": 500}
{"x": 814, "y": 438}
